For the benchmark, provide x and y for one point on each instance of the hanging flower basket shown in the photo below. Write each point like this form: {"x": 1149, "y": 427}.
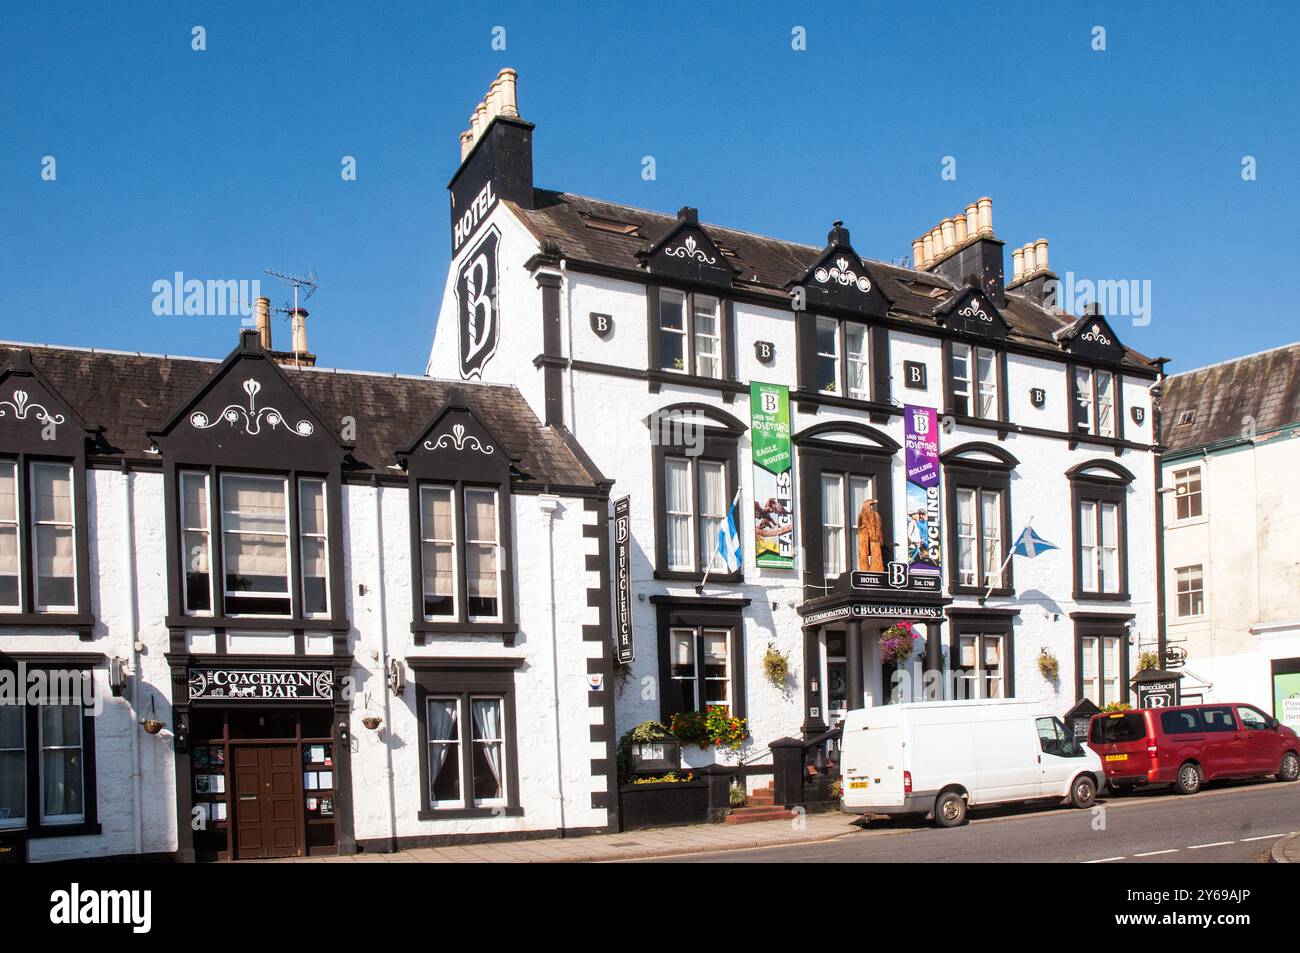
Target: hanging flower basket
{"x": 372, "y": 721}
{"x": 1048, "y": 665}
{"x": 776, "y": 665}
{"x": 152, "y": 725}
{"x": 898, "y": 642}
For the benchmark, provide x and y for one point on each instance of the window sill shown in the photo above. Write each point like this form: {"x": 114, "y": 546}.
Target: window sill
{"x": 1004, "y": 591}
{"x": 260, "y": 623}
{"x": 81, "y": 829}
{"x": 423, "y": 629}
{"x": 462, "y": 813}
{"x": 1101, "y": 596}
{"x": 678, "y": 575}
{"x": 59, "y": 620}
{"x": 876, "y": 408}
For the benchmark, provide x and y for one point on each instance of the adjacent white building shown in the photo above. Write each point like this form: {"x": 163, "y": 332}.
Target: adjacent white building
{"x": 1231, "y": 433}
{"x": 643, "y": 335}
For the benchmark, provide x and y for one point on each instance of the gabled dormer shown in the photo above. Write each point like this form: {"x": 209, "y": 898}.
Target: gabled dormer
{"x": 686, "y": 252}
{"x": 838, "y": 279}
{"x": 34, "y": 416}
{"x": 971, "y": 311}
{"x": 459, "y": 476}
{"x": 1091, "y": 338}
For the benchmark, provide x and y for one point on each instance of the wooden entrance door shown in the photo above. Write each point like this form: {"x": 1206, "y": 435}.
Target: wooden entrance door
{"x": 268, "y": 802}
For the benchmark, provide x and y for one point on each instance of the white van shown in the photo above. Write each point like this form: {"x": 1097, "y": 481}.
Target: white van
{"x": 945, "y": 757}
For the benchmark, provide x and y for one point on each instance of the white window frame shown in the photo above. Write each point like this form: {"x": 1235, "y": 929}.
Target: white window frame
{"x": 71, "y": 524}
{"x": 710, "y": 523}
{"x": 1087, "y": 396}
{"x": 1093, "y": 555}
{"x": 495, "y": 543}
{"x": 1184, "y": 476}
{"x": 42, "y": 747}
{"x": 323, "y": 537}
{"x": 695, "y": 636}
{"x": 839, "y": 566}
{"x": 206, "y": 530}
{"x": 459, "y": 744}
{"x": 690, "y": 334}
{"x": 697, "y": 335}
{"x": 822, "y": 322}
{"x": 20, "y": 538}
{"x": 979, "y": 544}
{"x": 693, "y": 562}
{"x": 425, "y": 537}
{"x": 1194, "y": 572}
{"x": 974, "y": 387}
{"x": 684, "y": 332}
{"x": 862, "y": 361}
{"x": 977, "y": 675}
{"x": 704, "y": 678}
{"x": 288, "y": 547}
{"x": 1104, "y": 654}
{"x": 504, "y": 799}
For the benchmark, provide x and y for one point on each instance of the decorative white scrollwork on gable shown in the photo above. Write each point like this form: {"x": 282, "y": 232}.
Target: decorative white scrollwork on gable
{"x": 690, "y": 249}
{"x": 841, "y": 272}
{"x": 974, "y": 309}
{"x": 21, "y": 405}
{"x": 459, "y": 440}
{"x": 1096, "y": 335}
{"x": 252, "y": 416}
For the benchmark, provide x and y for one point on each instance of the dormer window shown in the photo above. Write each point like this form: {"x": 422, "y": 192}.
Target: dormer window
{"x": 690, "y": 333}
{"x": 974, "y": 381}
{"x": 46, "y": 543}
{"x": 843, "y": 360}
{"x": 444, "y": 550}
{"x": 1094, "y": 402}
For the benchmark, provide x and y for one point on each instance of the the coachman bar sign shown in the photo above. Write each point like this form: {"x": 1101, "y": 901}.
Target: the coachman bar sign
{"x": 237, "y": 684}
{"x": 624, "y": 646}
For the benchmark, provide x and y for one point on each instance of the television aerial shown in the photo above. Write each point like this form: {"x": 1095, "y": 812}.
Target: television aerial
{"x": 297, "y": 314}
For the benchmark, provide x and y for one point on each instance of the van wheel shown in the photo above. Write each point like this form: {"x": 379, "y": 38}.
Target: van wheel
{"x": 1083, "y": 793}
{"x": 950, "y": 809}
{"x": 1290, "y": 767}
{"x": 1189, "y": 778}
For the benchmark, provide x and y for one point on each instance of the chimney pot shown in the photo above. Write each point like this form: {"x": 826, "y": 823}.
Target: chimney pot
{"x": 479, "y": 120}
{"x": 985, "y": 206}
{"x": 1017, "y": 264}
{"x": 959, "y": 228}
{"x": 299, "y": 316}
{"x": 1040, "y": 253}
{"x": 972, "y": 220}
{"x": 262, "y": 321}
{"x": 507, "y": 92}
{"x": 1031, "y": 265}
{"x": 466, "y": 144}
{"x": 927, "y": 250}
{"x": 936, "y": 242}
{"x": 493, "y": 99}
{"x": 949, "y": 234}
{"x": 918, "y": 253}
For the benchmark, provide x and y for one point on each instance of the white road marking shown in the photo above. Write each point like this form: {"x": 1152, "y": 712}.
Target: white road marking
{"x": 1152, "y": 853}
{"x": 1246, "y": 840}
{"x": 1217, "y": 843}
{"x": 1104, "y": 860}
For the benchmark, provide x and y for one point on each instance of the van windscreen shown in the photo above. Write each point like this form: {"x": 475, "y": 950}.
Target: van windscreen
{"x": 1115, "y": 729}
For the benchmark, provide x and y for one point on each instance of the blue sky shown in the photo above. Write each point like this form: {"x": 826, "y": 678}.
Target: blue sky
{"x": 224, "y": 162}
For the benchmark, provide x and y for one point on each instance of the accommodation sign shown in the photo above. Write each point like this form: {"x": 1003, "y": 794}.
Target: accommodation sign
{"x": 873, "y": 610}
{"x": 924, "y": 533}
{"x": 242, "y": 684}
{"x": 624, "y": 646}
{"x": 769, "y": 412}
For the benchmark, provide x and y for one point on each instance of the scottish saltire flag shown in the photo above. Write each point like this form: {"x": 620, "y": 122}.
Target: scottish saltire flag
{"x": 729, "y": 541}
{"x": 1031, "y": 544}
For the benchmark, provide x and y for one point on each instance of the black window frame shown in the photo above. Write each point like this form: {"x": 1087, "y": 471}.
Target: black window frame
{"x": 1087, "y": 625}
{"x": 720, "y": 443}
{"x": 962, "y": 471}
{"x": 726, "y": 335}
{"x": 821, "y": 450}
{"x": 1073, "y": 403}
{"x": 461, "y": 620}
{"x": 34, "y": 826}
{"x": 28, "y": 613}
{"x": 1112, "y": 487}
{"x": 809, "y": 395}
{"x": 465, "y": 679}
{"x": 1001, "y": 403}
{"x": 699, "y": 614}
{"x": 977, "y": 622}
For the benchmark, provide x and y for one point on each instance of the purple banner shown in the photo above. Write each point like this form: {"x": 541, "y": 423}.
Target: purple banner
{"x": 921, "y": 457}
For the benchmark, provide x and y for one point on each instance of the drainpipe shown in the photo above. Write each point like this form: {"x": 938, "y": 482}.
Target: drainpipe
{"x": 381, "y": 595}
{"x": 133, "y": 630}
{"x": 549, "y": 505}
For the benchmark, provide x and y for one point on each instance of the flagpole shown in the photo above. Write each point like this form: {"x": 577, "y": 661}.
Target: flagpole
{"x": 1010, "y": 553}
{"x": 709, "y": 568}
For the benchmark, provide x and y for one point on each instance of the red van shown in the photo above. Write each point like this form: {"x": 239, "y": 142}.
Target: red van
{"x": 1189, "y": 744}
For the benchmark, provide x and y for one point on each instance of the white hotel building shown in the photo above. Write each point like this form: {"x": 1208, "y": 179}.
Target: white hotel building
{"x": 612, "y": 320}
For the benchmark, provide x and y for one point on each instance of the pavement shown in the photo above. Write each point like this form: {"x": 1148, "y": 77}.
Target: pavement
{"x": 1286, "y": 851}
{"x": 664, "y": 842}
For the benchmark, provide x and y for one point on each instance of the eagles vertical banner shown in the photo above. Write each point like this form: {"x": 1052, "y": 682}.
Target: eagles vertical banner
{"x": 624, "y": 647}
{"x": 921, "y": 445}
{"x": 769, "y": 413}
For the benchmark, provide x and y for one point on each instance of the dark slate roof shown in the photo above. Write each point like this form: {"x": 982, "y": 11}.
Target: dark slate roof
{"x": 1265, "y": 387}
{"x": 767, "y": 265}
{"x": 131, "y": 394}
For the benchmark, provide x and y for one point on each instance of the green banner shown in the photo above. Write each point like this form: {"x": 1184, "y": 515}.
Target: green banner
{"x": 769, "y": 413}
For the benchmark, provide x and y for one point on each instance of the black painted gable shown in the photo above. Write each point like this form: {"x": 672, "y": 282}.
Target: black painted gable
{"x": 34, "y": 416}
{"x": 971, "y": 311}
{"x": 839, "y": 279}
{"x": 1091, "y": 337}
{"x": 456, "y": 444}
{"x": 686, "y": 252}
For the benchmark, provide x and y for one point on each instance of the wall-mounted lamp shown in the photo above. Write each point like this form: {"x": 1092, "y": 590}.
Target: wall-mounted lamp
{"x": 396, "y": 676}
{"x": 116, "y": 675}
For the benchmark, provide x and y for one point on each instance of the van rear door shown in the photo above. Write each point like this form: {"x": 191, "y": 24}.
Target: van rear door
{"x": 1120, "y": 738}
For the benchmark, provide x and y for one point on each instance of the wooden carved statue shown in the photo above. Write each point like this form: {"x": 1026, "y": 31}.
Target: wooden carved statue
{"x": 871, "y": 552}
